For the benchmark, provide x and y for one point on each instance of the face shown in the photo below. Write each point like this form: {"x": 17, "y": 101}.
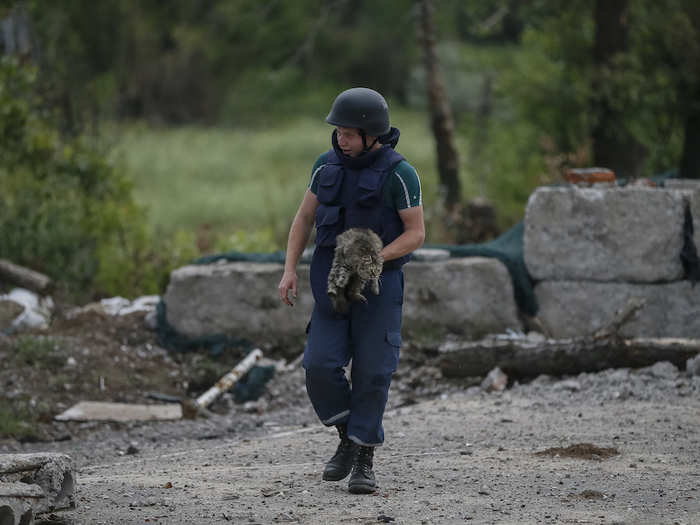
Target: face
{"x": 350, "y": 141}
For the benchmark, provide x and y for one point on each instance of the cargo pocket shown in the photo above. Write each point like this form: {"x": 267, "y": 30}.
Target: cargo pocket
{"x": 328, "y": 224}
{"x": 393, "y": 340}
{"x": 369, "y": 189}
{"x": 329, "y": 183}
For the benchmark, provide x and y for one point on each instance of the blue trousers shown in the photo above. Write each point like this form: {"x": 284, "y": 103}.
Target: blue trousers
{"x": 370, "y": 335}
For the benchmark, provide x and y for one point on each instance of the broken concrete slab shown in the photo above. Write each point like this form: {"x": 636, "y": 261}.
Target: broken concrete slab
{"x": 19, "y": 502}
{"x": 470, "y": 296}
{"x": 53, "y": 474}
{"x": 579, "y": 308}
{"x": 631, "y": 234}
{"x": 104, "y": 411}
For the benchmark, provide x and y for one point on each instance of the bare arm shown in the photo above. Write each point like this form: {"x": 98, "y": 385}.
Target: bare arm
{"x": 298, "y": 237}
{"x": 412, "y": 237}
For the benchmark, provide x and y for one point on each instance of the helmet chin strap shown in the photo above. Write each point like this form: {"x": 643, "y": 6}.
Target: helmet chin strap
{"x": 364, "y": 141}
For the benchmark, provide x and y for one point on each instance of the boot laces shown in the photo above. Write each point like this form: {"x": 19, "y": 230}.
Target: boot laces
{"x": 364, "y": 460}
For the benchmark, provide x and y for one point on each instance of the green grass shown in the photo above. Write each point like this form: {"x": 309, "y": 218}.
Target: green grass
{"x": 243, "y": 186}
{"x": 235, "y": 180}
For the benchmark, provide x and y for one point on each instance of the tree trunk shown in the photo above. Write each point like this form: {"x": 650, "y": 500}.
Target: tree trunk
{"x": 614, "y": 146}
{"x": 440, "y": 113}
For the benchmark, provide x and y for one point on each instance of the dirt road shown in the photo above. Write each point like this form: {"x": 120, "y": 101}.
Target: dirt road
{"x": 469, "y": 458}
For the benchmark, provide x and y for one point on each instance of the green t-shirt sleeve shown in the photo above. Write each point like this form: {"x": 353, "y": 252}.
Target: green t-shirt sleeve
{"x": 405, "y": 187}
{"x": 320, "y": 162}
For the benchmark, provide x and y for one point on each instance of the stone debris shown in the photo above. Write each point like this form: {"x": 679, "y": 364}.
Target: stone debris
{"x": 33, "y": 311}
{"x": 105, "y": 411}
{"x": 18, "y": 502}
{"x": 32, "y": 484}
{"x": 495, "y": 381}
{"x": 118, "y": 306}
{"x": 661, "y": 370}
{"x": 692, "y": 366}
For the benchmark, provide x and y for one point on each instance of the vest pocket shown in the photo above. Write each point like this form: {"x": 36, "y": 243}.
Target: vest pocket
{"x": 329, "y": 183}
{"x": 328, "y": 224}
{"x": 369, "y": 188}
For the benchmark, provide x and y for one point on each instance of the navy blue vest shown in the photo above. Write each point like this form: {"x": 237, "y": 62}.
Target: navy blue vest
{"x": 354, "y": 198}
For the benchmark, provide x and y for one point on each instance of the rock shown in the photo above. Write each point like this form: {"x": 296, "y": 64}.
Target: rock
{"x": 692, "y": 366}
{"x": 622, "y": 234}
{"x": 495, "y": 381}
{"x": 568, "y": 384}
{"x": 661, "y": 370}
{"x": 470, "y": 296}
{"x": 577, "y": 309}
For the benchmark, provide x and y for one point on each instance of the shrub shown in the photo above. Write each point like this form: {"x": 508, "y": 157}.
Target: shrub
{"x": 65, "y": 209}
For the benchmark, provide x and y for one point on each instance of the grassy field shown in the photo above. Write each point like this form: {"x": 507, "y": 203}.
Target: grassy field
{"x": 235, "y": 181}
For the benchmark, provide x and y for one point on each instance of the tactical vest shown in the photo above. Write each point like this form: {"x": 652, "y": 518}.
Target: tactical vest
{"x": 354, "y": 198}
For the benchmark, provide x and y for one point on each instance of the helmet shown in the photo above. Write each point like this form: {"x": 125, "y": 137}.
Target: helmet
{"x": 361, "y": 108}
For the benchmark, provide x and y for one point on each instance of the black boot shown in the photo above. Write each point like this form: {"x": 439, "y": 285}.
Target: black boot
{"x": 362, "y": 480}
{"x": 342, "y": 461}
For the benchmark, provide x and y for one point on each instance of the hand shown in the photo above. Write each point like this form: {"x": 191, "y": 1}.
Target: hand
{"x": 288, "y": 282}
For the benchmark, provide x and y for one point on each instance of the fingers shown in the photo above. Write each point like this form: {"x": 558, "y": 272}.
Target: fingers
{"x": 284, "y": 289}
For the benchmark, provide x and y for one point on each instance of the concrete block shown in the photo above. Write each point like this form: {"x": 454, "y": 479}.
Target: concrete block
{"x": 691, "y": 188}
{"x": 19, "y": 502}
{"x": 618, "y": 234}
{"x": 471, "y": 296}
{"x": 47, "y": 478}
{"x": 239, "y": 299}
{"x": 576, "y": 309}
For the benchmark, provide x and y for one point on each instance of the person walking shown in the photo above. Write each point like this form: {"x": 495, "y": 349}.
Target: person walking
{"x": 361, "y": 182}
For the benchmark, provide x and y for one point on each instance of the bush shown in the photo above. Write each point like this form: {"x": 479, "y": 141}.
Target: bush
{"x": 65, "y": 209}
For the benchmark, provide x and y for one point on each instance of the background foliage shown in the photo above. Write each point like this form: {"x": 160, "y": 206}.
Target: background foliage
{"x": 139, "y": 135}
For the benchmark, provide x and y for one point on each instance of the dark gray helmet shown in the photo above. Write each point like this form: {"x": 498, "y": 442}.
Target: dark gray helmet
{"x": 361, "y": 108}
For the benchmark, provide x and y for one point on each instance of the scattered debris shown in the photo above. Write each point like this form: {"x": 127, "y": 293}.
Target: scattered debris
{"x": 580, "y": 451}
{"x": 32, "y": 484}
{"x": 35, "y": 310}
{"x": 495, "y": 381}
{"x": 225, "y": 383}
{"x": 117, "y": 306}
{"x": 104, "y": 411}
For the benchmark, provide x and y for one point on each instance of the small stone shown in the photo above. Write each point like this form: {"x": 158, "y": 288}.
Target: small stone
{"x": 495, "y": 381}
{"x": 661, "y": 370}
{"x": 568, "y": 384}
{"x": 692, "y": 366}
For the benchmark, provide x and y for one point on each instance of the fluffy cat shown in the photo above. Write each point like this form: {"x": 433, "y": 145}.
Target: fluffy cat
{"x": 356, "y": 262}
